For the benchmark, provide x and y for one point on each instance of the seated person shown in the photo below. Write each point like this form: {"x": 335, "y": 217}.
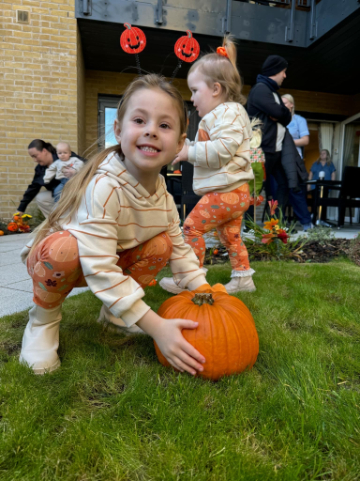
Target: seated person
{"x": 323, "y": 164}
{"x": 59, "y": 168}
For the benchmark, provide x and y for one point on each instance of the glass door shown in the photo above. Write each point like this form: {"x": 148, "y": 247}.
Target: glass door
{"x": 350, "y": 150}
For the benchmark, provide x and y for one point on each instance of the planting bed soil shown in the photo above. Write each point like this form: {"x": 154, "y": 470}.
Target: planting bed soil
{"x": 313, "y": 251}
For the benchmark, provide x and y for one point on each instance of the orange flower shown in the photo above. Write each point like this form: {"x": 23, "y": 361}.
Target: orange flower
{"x": 271, "y": 224}
{"x": 267, "y": 238}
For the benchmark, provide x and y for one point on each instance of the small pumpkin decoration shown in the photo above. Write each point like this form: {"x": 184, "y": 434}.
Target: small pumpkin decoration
{"x": 133, "y": 39}
{"x": 153, "y": 282}
{"x": 1, "y": 232}
{"x": 12, "y": 227}
{"x": 226, "y": 335}
{"x": 187, "y": 48}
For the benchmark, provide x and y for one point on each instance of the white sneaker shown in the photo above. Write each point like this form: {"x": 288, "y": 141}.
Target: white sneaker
{"x": 240, "y": 284}
{"x": 41, "y": 340}
{"x": 168, "y": 284}
{"x": 115, "y": 324}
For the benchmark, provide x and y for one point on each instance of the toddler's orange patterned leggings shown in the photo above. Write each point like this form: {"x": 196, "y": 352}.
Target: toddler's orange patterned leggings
{"x": 55, "y": 268}
{"x": 224, "y": 213}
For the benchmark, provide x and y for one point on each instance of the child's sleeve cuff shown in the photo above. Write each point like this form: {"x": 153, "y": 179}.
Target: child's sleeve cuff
{"x": 135, "y": 313}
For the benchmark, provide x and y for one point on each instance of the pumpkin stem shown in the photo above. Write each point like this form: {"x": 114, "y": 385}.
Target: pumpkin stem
{"x": 200, "y": 299}
{"x": 189, "y": 32}
{"x": 127, "y": 25}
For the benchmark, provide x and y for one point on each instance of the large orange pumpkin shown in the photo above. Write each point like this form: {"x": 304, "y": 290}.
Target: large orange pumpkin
{"x": 226, "y": 335}
{"x": 132, "y": 39}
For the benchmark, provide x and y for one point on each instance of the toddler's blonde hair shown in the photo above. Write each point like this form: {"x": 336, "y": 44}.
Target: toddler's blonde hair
{"x": 221, "y": 69}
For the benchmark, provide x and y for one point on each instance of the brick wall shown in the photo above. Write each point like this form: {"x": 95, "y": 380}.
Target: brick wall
{"x": 38, "y": 88}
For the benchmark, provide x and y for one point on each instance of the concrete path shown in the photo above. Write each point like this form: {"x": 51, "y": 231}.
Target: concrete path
{"x": 15, "y": 283}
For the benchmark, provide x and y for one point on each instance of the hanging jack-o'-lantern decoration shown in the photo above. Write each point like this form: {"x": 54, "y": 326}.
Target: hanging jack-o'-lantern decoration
{"x": 133, "y": 39}
{"x": 187, "y": 48}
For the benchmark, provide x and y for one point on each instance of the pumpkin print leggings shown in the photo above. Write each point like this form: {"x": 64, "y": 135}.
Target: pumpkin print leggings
{"x": 55, "y": 268}
{"x": 223, "y": 212}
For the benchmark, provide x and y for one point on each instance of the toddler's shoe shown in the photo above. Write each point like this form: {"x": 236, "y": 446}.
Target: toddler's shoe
{"x": 115, "y": 324}
{"x": 241, "y": 282}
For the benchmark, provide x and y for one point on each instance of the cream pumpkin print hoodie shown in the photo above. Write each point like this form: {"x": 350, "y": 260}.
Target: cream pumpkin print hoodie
{"x": 221, "y": 150}
{"x": 117, "y": 213}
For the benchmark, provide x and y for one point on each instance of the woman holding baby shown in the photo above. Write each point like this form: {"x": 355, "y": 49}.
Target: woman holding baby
{"x": 45, "y": 154}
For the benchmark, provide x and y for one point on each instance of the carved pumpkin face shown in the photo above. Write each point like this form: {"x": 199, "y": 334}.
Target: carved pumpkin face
{"x": 132, "y": 39}
{"x": 187, "y": 48}
{"x": 226, "y": 335}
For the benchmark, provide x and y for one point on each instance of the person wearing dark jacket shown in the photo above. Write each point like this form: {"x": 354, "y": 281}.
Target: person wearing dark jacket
{"x": 44, "y": 153}
{"x": 265, "y": 103}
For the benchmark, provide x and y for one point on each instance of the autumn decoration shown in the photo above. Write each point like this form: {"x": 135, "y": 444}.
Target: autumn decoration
{"x": 272, "y": 239}
{"x": 187, "y": 49}
{"x": 226, "y": 335}
{"x": 133, "y": 41}
{"x": 20, "y": 223}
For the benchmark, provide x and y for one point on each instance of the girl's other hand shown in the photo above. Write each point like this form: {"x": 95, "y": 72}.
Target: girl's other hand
{"x": 167, "y": 334}
{"x": 182, "y": 156}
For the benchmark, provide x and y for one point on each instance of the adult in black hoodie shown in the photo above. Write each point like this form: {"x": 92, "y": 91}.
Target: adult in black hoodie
{"x": 44, "y": 154}
{"x": 265, "y": 104}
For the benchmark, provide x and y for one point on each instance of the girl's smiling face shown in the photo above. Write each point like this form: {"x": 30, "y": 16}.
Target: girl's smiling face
{"x": 149, "y": 132}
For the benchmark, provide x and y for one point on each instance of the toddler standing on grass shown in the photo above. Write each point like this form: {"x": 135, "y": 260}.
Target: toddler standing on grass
{"x": 56, "y": 169}
{"x": 114, "y": 229}
{"x": 221, "y": 159}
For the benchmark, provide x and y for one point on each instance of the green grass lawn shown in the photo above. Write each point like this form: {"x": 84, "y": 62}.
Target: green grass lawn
{"x": 112, "y": 412}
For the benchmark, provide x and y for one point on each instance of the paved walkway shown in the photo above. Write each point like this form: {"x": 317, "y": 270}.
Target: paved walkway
{"x": 16, "y": 285}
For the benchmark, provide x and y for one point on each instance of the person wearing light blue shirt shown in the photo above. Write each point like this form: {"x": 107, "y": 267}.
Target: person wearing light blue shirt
{"x": 298, "y": 127}
{"x": 300, "y": 133}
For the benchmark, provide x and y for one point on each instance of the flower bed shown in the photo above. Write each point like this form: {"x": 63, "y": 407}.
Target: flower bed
{"x": 18, "y": 225}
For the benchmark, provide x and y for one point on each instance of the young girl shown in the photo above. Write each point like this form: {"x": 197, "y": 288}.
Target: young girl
{"x": 115, "y": 227}
{"x": 221, "y": 159}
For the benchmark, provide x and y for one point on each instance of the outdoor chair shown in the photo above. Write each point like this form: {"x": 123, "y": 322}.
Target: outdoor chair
{"x": 349, "y": 194}
{"x": 188, "y": 198}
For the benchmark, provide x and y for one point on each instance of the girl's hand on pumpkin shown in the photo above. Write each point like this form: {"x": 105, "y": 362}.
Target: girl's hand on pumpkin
{"x": 182, "y": 156}
{"x": 167, "y": 334}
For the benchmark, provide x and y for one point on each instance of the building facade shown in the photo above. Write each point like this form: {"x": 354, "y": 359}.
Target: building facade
{"x": 52, "y": 85}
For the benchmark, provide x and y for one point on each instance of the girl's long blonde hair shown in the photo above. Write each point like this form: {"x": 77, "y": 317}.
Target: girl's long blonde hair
{"x": 221, "y": 69}
{"x": 74, "y": 190}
